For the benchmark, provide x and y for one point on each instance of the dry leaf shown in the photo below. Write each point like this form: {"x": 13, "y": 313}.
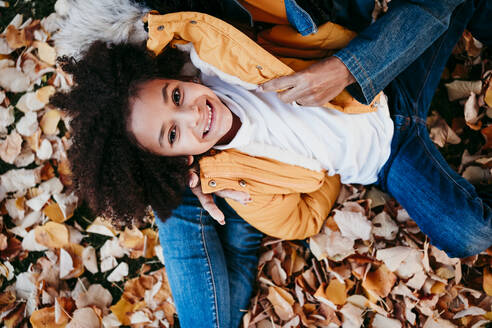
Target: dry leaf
{"x": 29, "y": 102}
{"x": 487, "y": 281}
{"x": 84, "y": 318}
{"x": 90, "y": 259}
{"x": 459, "y": 89}
{"x": 49, "y": 122}
{"x": 52, "y": 235}
{"x": 11, "y": 147}
{"x": 28, "y": 124}
{"x": 46, "y": 52}
{"x": 96, "y": 295}
{"x": 45, "y": 318}
{"x": 13, "y": 80}
{"x": 384, "y": 226}
{"x": 282, "y": 302}
{"x": 119, "y": 273}
{"x": 380, "y": 281}
{"x": 353, "y": 225}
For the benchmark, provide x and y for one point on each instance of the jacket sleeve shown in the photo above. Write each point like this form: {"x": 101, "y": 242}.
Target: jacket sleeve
{"x": 293, "y": 215}
{"x": 385, "y": 48}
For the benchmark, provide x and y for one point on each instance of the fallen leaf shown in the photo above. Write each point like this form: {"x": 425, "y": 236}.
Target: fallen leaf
{"x": 380, "y": 281}
{"x": 14, "y": 80}
{"x": 52, "y": 235}
{"x": 11, "y": 147}
{"x": 49, "y": 121}
{"x": 84, "y": 318}
{"x": 460, "y": 89}
{"x": 119, "y": 273}
{"x": 282, "y": 302}
{"x": 46, "y": 52}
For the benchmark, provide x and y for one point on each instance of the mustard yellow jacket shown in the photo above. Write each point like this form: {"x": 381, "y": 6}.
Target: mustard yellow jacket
{"x": 288, "y": 201}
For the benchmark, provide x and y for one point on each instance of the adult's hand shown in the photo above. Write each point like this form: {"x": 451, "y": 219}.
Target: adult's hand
{"x": 207, "y": 200}
{"x": 315, "y": 85}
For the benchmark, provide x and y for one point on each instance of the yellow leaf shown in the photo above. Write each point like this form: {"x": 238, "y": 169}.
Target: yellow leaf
{"x": 46, "y": 52}
{"x": 151, "y": 241}
{"x": 75, "y": 251}
{"x": 380, "y": 281}
{"x": 52, "y": 235}
{"x": 43, "y": 94}
{"x": 488, "y": 96}
{"x": 53, "y": 211}
{"x": 438, "y": 288}
{"x": 50, "y": 120}
{"x": 45, "y": 318}
{"x": 487, "y": 281}
{"x": 132, "y": 238}
{"x": 122, "y": 310}
{"x": 336, "y": 292}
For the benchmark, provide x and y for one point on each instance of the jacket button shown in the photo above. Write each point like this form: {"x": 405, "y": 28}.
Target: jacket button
{"x": 212, "y": 183}
{"x": 259, "y": 67}
{"x": 193, "y": 22}
{"x": 160, "y": 27}
{"x": 242, "y": 183}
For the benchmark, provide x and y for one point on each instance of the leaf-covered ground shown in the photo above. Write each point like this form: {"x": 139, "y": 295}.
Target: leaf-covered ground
{"x": 370, "y": 266}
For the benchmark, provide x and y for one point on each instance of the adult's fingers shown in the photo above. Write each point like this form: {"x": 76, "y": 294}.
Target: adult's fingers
{"x": 280, "y": 83}
{"x": 209, "y": 205}
{"x": 239, "y": 196}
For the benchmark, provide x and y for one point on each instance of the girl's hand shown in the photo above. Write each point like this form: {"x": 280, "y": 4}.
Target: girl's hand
{"x": 207, "y": 200}
{"x": 313, "y": 86}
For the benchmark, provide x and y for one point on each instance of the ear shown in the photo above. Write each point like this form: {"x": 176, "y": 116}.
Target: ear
{"x": 190, "y": 160}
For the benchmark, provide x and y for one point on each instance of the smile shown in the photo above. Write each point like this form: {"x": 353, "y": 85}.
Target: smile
{"x": 210, "y": 118}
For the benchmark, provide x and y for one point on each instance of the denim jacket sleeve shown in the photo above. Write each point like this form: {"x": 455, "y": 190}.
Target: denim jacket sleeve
{"x": 386, "y": 47}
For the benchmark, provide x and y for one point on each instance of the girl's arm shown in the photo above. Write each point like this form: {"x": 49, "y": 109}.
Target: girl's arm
{"x": 293, "y": 215}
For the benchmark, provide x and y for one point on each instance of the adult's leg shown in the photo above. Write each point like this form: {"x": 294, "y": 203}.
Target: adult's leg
{"x": 198, "y": 264}
{"x": 241, "y": 243}
{"x": 445, "y": 206}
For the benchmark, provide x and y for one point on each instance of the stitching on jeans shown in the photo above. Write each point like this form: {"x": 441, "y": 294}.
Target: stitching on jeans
{"x": 441, "y": 167}
{"x": 363, "y": 71}
{"x": 427, "y": 77}
{"x": 211, "y": 270}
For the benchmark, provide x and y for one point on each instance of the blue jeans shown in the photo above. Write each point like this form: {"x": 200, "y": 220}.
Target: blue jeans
{"x": 211, "y": 268}
{"x": 445, "y": 206}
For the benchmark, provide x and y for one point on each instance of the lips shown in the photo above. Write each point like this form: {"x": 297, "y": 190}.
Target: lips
{"x": 210, "y": 113}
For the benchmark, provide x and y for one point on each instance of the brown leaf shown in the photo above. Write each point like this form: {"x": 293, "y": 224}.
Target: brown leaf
{"x": 45, "y": 318}
{"x": 14, "y": 318}
{"x": 14, "y": 247}
{"x": 11, "y": 147}
{"x": 15, "y": 38}
{"x": 282, "y": 302}
{"x": 52, "y": 235}
{"x": 380, "y": 282}
{"x": 487, "y": 281}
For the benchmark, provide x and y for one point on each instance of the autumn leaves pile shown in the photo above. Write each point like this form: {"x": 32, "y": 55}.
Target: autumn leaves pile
{"x": 370, "y": 265}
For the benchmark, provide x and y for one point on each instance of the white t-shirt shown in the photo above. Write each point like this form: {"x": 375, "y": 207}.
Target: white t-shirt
{"x": 356, "y": 146}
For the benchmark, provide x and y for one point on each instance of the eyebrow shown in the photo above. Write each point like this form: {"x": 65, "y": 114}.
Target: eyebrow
{"x": 163, "y": 128}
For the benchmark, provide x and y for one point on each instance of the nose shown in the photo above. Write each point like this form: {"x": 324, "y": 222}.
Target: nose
{"x": 191, "y": 117}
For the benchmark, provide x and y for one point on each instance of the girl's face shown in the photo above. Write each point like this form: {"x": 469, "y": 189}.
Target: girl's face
{"x": 176, "y": 118}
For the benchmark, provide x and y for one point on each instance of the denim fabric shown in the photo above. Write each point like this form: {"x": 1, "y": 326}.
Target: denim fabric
{"x": 299, "y": 18}
{"x": 445, "y": 206}
{"x": 211, "y": 268}
{"x": 384, "y": 49}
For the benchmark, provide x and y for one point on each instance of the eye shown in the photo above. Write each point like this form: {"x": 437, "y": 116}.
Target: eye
{"x": 176, "y": 96}
{"x": 172, "y": 135}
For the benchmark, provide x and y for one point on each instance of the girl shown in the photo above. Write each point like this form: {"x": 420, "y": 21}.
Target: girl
{"x": 147, "y": 112}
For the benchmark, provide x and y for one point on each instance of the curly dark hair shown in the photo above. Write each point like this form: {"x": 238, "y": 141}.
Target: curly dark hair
{"x": 114, "y": 175}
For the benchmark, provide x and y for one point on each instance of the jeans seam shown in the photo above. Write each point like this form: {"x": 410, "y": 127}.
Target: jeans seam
{"x": 440, "y": 167}
{"x": 361, "y": 68}
{"x": 210, "y": 267}
{"x": 417, "y": 99}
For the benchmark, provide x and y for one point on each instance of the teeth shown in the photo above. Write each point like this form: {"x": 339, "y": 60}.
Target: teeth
{"x": 209, "y": 118}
